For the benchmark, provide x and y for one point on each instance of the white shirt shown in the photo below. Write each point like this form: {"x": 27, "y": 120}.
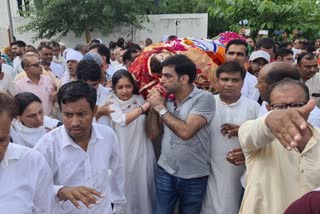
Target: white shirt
{"x": 57, "y": 69}
{"x": 314, "y": 87}
{"x": 6, "y": 84}
{"x": 249, "y": 87}
{"x": 26, "y": 182}
{"x": 295, "y": 52}
{"x": 313, "y": 119}
{"x": 117, "y": 66}
{"x": 72, "y": 166}
{"x": 17, "y": 68}
{"x": 102, "y": 93}
{"x": 9, "y": 69}
{"x": 224, "y": 188}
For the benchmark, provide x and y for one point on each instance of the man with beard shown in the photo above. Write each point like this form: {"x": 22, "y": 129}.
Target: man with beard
{"x": 257, "y": 60}
{"x": 17, "y": 49}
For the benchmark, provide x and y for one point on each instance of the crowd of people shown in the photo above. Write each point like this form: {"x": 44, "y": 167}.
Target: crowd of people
{"x": 80, "y": 127}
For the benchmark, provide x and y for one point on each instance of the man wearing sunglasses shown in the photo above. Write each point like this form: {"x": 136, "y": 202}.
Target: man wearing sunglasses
{"x": 41, "y": 85}
{"x": 280, "y": 170}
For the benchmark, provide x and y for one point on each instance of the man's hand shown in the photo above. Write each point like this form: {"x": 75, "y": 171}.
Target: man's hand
{"x": 236, "y": 157}
{"x": 155, "y": 99}
{"x": 104, "y": 110}
{"x": 84, "y": 194}
{"x": 287, "y": 125}
{"x": 229, "y": 130}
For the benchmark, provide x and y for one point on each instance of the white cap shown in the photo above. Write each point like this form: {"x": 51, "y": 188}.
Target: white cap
{"x": 74, "y": 55}
{"x": 259, "y": 54}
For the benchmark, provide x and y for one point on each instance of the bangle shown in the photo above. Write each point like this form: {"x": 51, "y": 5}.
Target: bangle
{"x": 143, "y": 111}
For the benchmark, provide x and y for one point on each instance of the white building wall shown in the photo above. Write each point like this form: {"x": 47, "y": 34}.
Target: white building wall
{"x": 182, "y": 25}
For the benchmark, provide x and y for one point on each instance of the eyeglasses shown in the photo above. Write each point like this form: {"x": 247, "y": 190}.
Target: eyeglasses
{"x": 37, "y": 65}
{"x": 258, "y": 64}
{"x": 285, "y": 106}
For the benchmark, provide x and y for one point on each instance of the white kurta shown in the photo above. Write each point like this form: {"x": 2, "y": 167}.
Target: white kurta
{"x": 138, "y": 153}
{"x": 26, "y": 182}
{"x": 249, "y": 87}
{"x": 224, "y": 187}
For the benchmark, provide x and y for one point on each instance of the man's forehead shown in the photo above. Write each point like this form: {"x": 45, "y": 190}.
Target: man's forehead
{"x": 281, "y": 92}
{"x": 314, "y": 60}
{"x": 237, "y": 47}
{"x": 45, "y": 50}
{"x": 230, "y": 75}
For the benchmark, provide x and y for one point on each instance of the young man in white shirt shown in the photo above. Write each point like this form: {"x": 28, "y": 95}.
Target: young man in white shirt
{"x": 25, "y": 177}
{"x": 82, "y": 155}
{"x": 89, "y": 71}
{"x": 224, "y": 141}
{"x": 236, "y": 50}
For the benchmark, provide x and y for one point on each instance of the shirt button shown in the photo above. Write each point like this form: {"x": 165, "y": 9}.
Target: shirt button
{"x": 302, "y": 171}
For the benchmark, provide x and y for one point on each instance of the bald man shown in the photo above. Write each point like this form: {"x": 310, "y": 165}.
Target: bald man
{"x": 275, "y": 72}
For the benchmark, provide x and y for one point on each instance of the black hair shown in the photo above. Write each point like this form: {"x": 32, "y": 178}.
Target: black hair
{"x": 183, "y": 65}
{"x": 309, "y": 48}
{"x": 121, "y": 74}
{"x": 102, "y": 50}
{"x": 266, "y": 43}
{"x": 88, "y": 70}
{"x": 112, "y": 45}
{"x": 7, "y": 104}
{"x": 54, "y": 43}
{"x": 283, "y": 52}
{"x": 44, "y": 46}
{"x": 120, "y": 42}
{"x": 24, "y": 99}
{"x": 284, "y": 44}
{"x": 128, "y": 55}
{"x": 171, "y": 38}
{"x": 79, "y": 47}
{"x": 288, "y": 81}
{"x": 32, "y": 47}
{"x": 148, "y": 41}
{"x": 307, "y": 56}
{"x": 231, "y": 67}
{"x": 237, "y": 42}
{"x": 19, "y": 43}
{"x": 76, "y": 90}
{"x": 133, "y": 46}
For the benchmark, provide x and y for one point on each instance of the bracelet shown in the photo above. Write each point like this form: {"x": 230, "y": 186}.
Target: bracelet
{"x": 143, "y": 111}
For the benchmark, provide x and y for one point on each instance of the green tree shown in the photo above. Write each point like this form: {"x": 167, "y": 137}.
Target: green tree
{"x": 59, "y": 17}
{"x": 269, "y": 14}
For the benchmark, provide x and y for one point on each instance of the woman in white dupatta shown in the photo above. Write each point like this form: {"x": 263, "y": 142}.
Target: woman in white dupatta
{"x": 128, "y": 121}
{"x": 30, "y": 123}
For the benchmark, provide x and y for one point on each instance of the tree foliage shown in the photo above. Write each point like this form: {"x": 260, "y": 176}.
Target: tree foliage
{"x": 59, "y": 17}
{"x": 269, "y": 15}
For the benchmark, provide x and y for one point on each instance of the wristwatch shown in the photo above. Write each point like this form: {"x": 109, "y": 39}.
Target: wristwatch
{"x": 163, "y": 112}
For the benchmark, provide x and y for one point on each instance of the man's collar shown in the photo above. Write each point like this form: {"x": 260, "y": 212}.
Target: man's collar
{"x": 13, "y": 152}
{"x": 68, "y": 141}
